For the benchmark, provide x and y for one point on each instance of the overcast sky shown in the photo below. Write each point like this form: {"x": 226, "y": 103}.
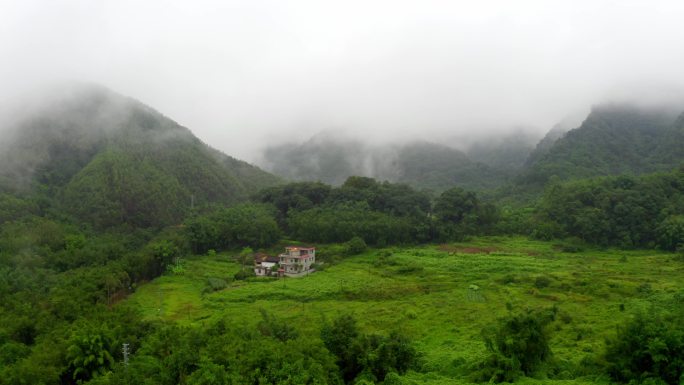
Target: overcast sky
{"x": 243, "y": 73}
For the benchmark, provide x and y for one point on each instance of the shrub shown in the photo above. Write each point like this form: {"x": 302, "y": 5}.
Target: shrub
{"x": 671, "y": 233}
{"x": 215, "y": 284}
{"x": 518, "y": 345}
{"x": 243, "y": 274}
{"x": 542, "y": 281}
{"x": 507, "y": 279}
{"x": 273, "y": 327}
{"x": 330, "y": 252}
{"x": 355, "y": 246}
{"x": 410, "y": 268}
{"x": 647, "y": 347}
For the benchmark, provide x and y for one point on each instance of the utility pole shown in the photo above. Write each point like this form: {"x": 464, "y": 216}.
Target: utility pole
{"x": 125, "y": 350}
{"x": 192, "y": 201}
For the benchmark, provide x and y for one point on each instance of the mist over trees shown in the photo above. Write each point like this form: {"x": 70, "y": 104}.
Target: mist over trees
{"x": 613, "y": 140}
{"x": 421, "y": 164}
{"x": 466, "y": 192}
{"x": 94, "y": 215}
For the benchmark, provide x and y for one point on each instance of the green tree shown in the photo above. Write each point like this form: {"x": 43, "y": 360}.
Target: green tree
{"x": 671, "y": 233}
{"x": 243, "y": 225}
{"x": 367, "y": 357}
{"x": 454, "y": 205}
{"x": 355, "y": 246}
{"x": 209, "y": 373}
{"x": 89, "y": 352}
{"x": 459, "y": 213}
{"x": 647, "y": 346}
{"x": 245, "y": 255}
{"x": 341, "y": 338}
{"x": 518, "y": 345}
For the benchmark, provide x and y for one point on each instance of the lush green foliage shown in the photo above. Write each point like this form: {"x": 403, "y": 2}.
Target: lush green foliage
{"x": 623, "y": 211}
{"x": 460, "y": 213}
{"x": 355, "y": 246}
{"x": 378, "y": 213}
{"x": 341, "y": 222}
{"x": 297, "y": 196}
{"x": 518, "y": 344}
{"x": 89, "y": 352}
{"x": 369, "y": 357}
{"x": 613, "y": 140}
{"x": 646, "y": 347}
{"x": 441, "y": 298}
{"x": 229, "y": 228}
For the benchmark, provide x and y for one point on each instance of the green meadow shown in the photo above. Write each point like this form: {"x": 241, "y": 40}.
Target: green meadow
{"x": 441, "y": 296}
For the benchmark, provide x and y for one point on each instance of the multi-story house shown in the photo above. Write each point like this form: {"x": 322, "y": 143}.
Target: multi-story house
{"x": 296, "y": 261}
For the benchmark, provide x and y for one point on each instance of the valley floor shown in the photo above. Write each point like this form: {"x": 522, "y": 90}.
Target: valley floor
{"x": 440, "y": 296}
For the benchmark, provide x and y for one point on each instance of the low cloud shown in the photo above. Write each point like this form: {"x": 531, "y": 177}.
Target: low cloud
{"x": 246, "y": 74}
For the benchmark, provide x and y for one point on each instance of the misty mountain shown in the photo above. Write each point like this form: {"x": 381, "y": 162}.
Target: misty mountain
{"x": 108, "y": 159}
{"x": 508, "y": 152}
{"x": 671, "y": 149}
{"x": 420, "y": 164}
{"x": 545, "y": 144}
{"x": 614, "y": 139}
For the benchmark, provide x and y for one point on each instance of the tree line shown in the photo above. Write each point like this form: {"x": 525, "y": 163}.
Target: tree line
{"x": 380, "y": 213}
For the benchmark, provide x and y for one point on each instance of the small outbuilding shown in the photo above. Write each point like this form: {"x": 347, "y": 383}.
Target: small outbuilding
{"x": 265, "y": 265}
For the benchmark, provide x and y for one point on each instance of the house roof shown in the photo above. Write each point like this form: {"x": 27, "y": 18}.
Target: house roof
{"x": 261, "y": 257}
{"x": 299, "y": 248}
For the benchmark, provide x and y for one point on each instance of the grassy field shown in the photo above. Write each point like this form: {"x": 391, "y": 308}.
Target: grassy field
{"x": 440, "y": 296}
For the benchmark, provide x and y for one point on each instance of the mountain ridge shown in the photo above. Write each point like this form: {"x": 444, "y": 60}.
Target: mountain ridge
{"x": 614, "y": 139}
{"x": 93, "y": 148}
{"x": 421, "y": 164}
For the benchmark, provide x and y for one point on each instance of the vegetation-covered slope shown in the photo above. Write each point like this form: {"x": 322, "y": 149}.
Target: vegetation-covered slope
{"x": 110, "y": 160}
{"x": 443, "y": 298}
{"x": 422, "y": 165}
{"x": 613, "y": 140}
{"x": 546, "y": 143}
{"x": 438, "y": 167}
{"x": 506, "y": 152}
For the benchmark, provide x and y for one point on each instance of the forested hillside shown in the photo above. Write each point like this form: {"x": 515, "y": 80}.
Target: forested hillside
{"x": 506, "y": 152}
{"x": 624, "y": 211}
{"x": 613, "y": 140}
{"x": 421, "y": 164}
{"x": 108, "y": 160}
{"x": 546, "y": 143}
